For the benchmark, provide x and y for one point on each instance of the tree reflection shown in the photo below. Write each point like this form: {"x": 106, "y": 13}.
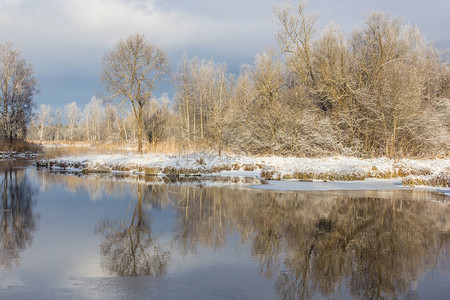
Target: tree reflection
{"x": 376, "y": 246}
{"x": 17, "y": 220}
{"x": 128, "y": 248}
{"x": 367, "y": 244}
{"x": 201, "y": 217}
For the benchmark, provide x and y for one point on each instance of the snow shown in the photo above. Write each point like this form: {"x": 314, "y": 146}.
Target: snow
{"x": 283, "y": 165}
{"x": 14, "y": 154}
{"x": 279, "y": 167}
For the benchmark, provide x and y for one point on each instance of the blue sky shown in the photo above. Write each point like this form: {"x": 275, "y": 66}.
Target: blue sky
{"x": 65, "y": 40}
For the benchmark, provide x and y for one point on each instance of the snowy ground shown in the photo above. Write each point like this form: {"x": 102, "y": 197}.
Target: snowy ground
{"x": 14, "y": 154}
{"x": 289, "y": 169}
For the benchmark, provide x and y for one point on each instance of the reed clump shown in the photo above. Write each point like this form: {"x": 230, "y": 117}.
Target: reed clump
{"x": 441, "y": 180}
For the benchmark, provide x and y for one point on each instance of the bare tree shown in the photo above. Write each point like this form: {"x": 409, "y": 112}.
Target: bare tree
{"x": 131, "y": 71}
{"x": 17, "y": 88}
{"x": 158, "y": 119}
{"x": 295, "y": 38}
{"x": 57, "y": 124}
{"x": 396, "y": 75}
{"x": 184, "y": 96}
{"x": 93, "y": 114}
{"x": 203, "y": 92}
{"x": 44, "y": 118}
{"x": 73, "y": 115}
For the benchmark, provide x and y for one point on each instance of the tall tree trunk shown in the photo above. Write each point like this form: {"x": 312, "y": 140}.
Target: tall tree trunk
{"x": 140, "y": 130}
{"x": 201, "y": 121}
{"x": 125, "y": 130}
{"x": 187, "y": 121}
{"x": 41, "y": 134}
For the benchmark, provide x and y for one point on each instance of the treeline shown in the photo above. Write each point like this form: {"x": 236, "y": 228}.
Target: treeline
{"x": 382, "y": 91}
{"x": 98, "y": 121}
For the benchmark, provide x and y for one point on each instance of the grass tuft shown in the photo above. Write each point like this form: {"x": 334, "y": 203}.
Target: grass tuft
{"x": 441, "y": 180}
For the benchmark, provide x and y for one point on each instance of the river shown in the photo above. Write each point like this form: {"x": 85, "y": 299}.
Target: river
{"x": 70, "y": 236}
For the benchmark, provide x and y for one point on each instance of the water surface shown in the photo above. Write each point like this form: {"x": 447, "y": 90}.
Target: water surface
{"x": 66, "y": 236}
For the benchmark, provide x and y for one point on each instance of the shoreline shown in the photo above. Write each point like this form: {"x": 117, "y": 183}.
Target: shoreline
{"x": 303, "y": 172}
{"x": 6, "y": 155}
{"x": 367, "y": 185}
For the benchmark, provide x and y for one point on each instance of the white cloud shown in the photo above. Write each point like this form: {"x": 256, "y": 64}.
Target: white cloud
{"x": 101, "y": 22}
{"x": 66, "y": 40}
{"x": 57, "y": 33}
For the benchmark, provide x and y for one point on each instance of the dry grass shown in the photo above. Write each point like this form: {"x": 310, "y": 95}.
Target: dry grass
{"x": 66, "y": 148}
{"x": 82, "y": 148}
{"x": 308, "y": 176}
{"x": 19, "y": 146}
{"x": 165, "y": 147}
{"x": 397, "y": 172}
{"x": 442, "y": 180}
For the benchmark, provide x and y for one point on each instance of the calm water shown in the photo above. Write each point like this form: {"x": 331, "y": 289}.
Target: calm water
{"x": 64, "y": 236}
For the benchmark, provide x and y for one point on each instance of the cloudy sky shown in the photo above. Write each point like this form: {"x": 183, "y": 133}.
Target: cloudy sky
{"x": 65, "y": 40}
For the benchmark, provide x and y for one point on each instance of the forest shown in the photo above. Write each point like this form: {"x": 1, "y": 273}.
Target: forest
{"x": 382, "y": 90}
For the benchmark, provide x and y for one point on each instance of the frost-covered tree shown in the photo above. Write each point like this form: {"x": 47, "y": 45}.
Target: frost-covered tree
{"x": 131, "y": 71}
{"x": 73, "y": 115}
{"x": 17, "y": 88}
{"x": 381, "y": 90}
{"x": 93, "y": 115}
{"x": 44, "y": 119}
{"x": 203, "y": 90}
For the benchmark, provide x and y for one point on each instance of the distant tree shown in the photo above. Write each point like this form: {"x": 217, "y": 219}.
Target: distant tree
{"x": 57, "y": 124}
{"x": 130, "y": 72}
{"x": 44, "y": 119}
{"x": 17, "y": 88}
{"x": 111, "y": 123}
{"x": 73, "y": 115}
{"x": 203, "y": 90}
{"x": 93, "y": 114}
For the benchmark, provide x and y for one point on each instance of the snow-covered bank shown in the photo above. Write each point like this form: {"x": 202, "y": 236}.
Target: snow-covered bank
{"x": 14, "y": 154}
{"x": 279, "y": 168}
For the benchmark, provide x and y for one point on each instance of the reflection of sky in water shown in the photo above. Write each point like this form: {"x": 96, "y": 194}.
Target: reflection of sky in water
{"x": 241, "y": 234}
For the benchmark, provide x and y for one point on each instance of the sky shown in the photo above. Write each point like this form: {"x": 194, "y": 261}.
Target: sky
{"x": 65, "y": 40}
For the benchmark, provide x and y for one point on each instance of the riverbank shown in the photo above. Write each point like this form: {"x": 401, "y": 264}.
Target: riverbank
{"x": 412, "y": 172}
{"x": 13, "y": 155}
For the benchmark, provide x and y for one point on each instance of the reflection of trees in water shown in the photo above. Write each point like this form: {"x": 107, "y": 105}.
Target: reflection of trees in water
{"x": 201, "y": 218}
{"x": 376, "y": 247}
{"x": 100, "y": 184}
{"x": 17, "y": 220}
{"x": 375, "y": 244}
{"x": 94, "y": 185}
{"x": 129, "y": 249}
